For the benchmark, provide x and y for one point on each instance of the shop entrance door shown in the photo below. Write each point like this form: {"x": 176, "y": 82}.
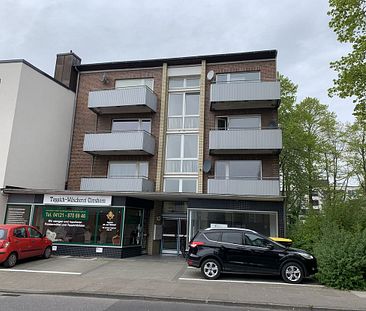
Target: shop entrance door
{"x": 174, "y": 235}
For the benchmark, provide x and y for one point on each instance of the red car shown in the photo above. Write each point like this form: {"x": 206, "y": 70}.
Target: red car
{"x": 22, "y": 241}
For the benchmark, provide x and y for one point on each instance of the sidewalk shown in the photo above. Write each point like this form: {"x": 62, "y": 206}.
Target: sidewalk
{"x": 168, "y": 278}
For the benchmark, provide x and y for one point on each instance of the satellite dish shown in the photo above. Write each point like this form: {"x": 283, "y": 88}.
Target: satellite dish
{"x": 210, "y": 75}
{"x": 207, "y": 164}
{"x": 104, "y": 79}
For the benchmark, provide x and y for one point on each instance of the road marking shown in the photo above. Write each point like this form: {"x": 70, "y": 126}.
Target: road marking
{"x": 249, "y": 282}
{"x": 40, "y": 271}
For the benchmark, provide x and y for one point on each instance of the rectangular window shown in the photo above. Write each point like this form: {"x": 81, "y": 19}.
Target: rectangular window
{"x": 263, "y": 222}
{"x": 80, "y": 225}
{"x": 182, "y": 153}
{"x": 238, "y": 169}
{"x": 121, "y": 125}
{"x": 238, "y": 122}
{"x": 127, "y": 169}
{"x": 180, "y": 185}
{"x": 184, "y": 83}
{"x": 149, "y": 82}
{"x": 238, "y": 76}
{"x": 183, "y": 110}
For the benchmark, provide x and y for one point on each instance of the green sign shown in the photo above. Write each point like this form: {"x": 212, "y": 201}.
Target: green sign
{"x": 65, "y": 214}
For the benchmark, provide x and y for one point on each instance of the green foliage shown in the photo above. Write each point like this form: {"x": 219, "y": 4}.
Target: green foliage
{"x": 341, "y": 258}
{"x": 348, "y": 20}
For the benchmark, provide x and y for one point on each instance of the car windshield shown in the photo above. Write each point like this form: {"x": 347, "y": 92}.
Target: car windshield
{"x": 3, "y": 234}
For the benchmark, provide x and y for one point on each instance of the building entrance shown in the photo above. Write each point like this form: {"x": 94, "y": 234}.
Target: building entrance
{"x": 174, "y": 235}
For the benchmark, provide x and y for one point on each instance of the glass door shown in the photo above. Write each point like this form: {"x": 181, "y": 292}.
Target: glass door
{"x": 174, "y": 235}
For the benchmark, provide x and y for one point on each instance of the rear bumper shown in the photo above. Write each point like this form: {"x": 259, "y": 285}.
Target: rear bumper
{"x": 193, "y": 261}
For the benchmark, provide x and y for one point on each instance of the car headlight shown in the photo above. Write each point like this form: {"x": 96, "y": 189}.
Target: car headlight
{"x": 306, "y": 256}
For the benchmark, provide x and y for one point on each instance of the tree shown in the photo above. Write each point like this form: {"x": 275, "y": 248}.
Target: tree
{"x": 348, "y": 20}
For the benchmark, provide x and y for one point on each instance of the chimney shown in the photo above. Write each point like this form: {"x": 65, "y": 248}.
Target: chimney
{"x": 65, "y": 70}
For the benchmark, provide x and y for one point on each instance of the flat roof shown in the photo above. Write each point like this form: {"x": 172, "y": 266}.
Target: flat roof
{"x": 161, "y": 196}
{"x": 179, "y": 61}
{"x": 20, "y": 60}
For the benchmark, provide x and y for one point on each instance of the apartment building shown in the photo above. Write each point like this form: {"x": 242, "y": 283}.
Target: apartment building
{"x": 162, "y": 148}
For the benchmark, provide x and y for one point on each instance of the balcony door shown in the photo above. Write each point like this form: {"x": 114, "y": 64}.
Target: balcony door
{"x": 238, "y": 169}
{"x": 238, "y": 122}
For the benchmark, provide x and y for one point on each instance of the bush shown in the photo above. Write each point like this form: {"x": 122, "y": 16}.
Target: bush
{"x": 341, "y": 258}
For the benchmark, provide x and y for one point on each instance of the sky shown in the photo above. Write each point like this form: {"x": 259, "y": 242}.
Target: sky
{"x": 119, "y": 30}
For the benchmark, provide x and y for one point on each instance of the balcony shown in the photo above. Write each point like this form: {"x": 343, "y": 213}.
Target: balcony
{"x": 245, "y": 95}
{"x": 126, "y": 184}
{"x": 250, "y": 187}
{"x": 245, "y": 141}
{"x": 137, "y": 99}
{"x": 120, "y": 143}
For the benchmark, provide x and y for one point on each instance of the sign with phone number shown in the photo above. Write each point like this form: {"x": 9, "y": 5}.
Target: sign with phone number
{"x": 65, "y": 214}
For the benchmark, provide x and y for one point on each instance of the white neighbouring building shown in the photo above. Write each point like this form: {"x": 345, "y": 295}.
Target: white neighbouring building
{"x": 36, "y": 119}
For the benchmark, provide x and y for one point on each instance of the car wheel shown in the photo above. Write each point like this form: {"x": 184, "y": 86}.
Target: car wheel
{"x": 211, "y": 269}
{"x": 292, "y": 272}
{"x": 47, "y": 253}
{"x": 11, "y": 261}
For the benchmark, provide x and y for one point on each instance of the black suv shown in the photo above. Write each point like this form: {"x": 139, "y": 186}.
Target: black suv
{"x": 233, "y": 250}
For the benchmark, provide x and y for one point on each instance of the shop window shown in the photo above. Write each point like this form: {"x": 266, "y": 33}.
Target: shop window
{"x": 262, "y": 222}
{"x": 79, "y": 225}
{"x": 132, "y": 234}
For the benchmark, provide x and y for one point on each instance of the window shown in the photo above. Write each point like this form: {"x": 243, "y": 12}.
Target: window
{"x": 232, "y": 237}
{"x": 253, "y": 239}
{"x": 20, "y": 233}
{"x": 80, "y": 225}
{"x": 238, "y": 76}
{"x": 238, "y": 169}
{"x": 265, "y": 223}
{"x": 133, "y": 227}
{"x": 3, "y": 234}
{"x": 34, "y": 233}
{"x": 120, "y": 125}
{"x": 238, "y": 122}
{"x": 183, "y": 110}
{"x": 184, "y": 83}
{"x": 181, "y": 153}
{"x": 128, "y": 169}
{"x": 213, "y": 236}
{"x": 149, "y": 82}
{"x": 180, "y": 185}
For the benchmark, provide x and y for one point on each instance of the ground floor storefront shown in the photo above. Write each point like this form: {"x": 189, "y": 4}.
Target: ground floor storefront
{"x": 113, "y": 225}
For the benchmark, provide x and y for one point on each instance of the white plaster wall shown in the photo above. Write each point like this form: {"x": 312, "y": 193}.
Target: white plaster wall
{"x": 3, "y": 201}
{"x": 10, "y": 76}
{"x": 40, "y": 140}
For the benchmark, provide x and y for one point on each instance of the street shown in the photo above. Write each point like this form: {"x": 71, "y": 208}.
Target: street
{"x": 14, "y": 302}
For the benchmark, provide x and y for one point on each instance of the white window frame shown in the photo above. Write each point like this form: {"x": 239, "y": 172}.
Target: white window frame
{"x": 185, "y": 87}
{"x": 137, "y": 171}
{"x": 183, "y": 116}
{"x": 228, "y": 76}
{"x": 227, "y": 168}
{"x": 181, "y": 179}
{"x": 238, "y": 117}
{"x": 141, "y": 80}
{"x": 181, "y": 158}
{"x": 139, "y": 120}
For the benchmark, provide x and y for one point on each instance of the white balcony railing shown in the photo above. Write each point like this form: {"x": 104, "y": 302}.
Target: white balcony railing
{"x": 127, "y": 184}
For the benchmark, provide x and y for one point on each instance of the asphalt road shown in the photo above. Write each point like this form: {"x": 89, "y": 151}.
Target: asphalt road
{"x": 15, "y": 302}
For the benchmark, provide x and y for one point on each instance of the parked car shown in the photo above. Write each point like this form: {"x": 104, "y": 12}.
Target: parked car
{"x": 233, "y": 250}
{"x": 22, "y": 241}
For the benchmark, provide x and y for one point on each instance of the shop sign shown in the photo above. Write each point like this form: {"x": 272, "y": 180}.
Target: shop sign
{"x": 89, "y": 200}
{"x": 57, "y": 214}
{"x": 110, "y": 223}
{"x": 17, "y": 215}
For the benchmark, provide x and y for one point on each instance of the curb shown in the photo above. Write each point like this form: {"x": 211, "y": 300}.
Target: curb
{"x": 180, "y": 300}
